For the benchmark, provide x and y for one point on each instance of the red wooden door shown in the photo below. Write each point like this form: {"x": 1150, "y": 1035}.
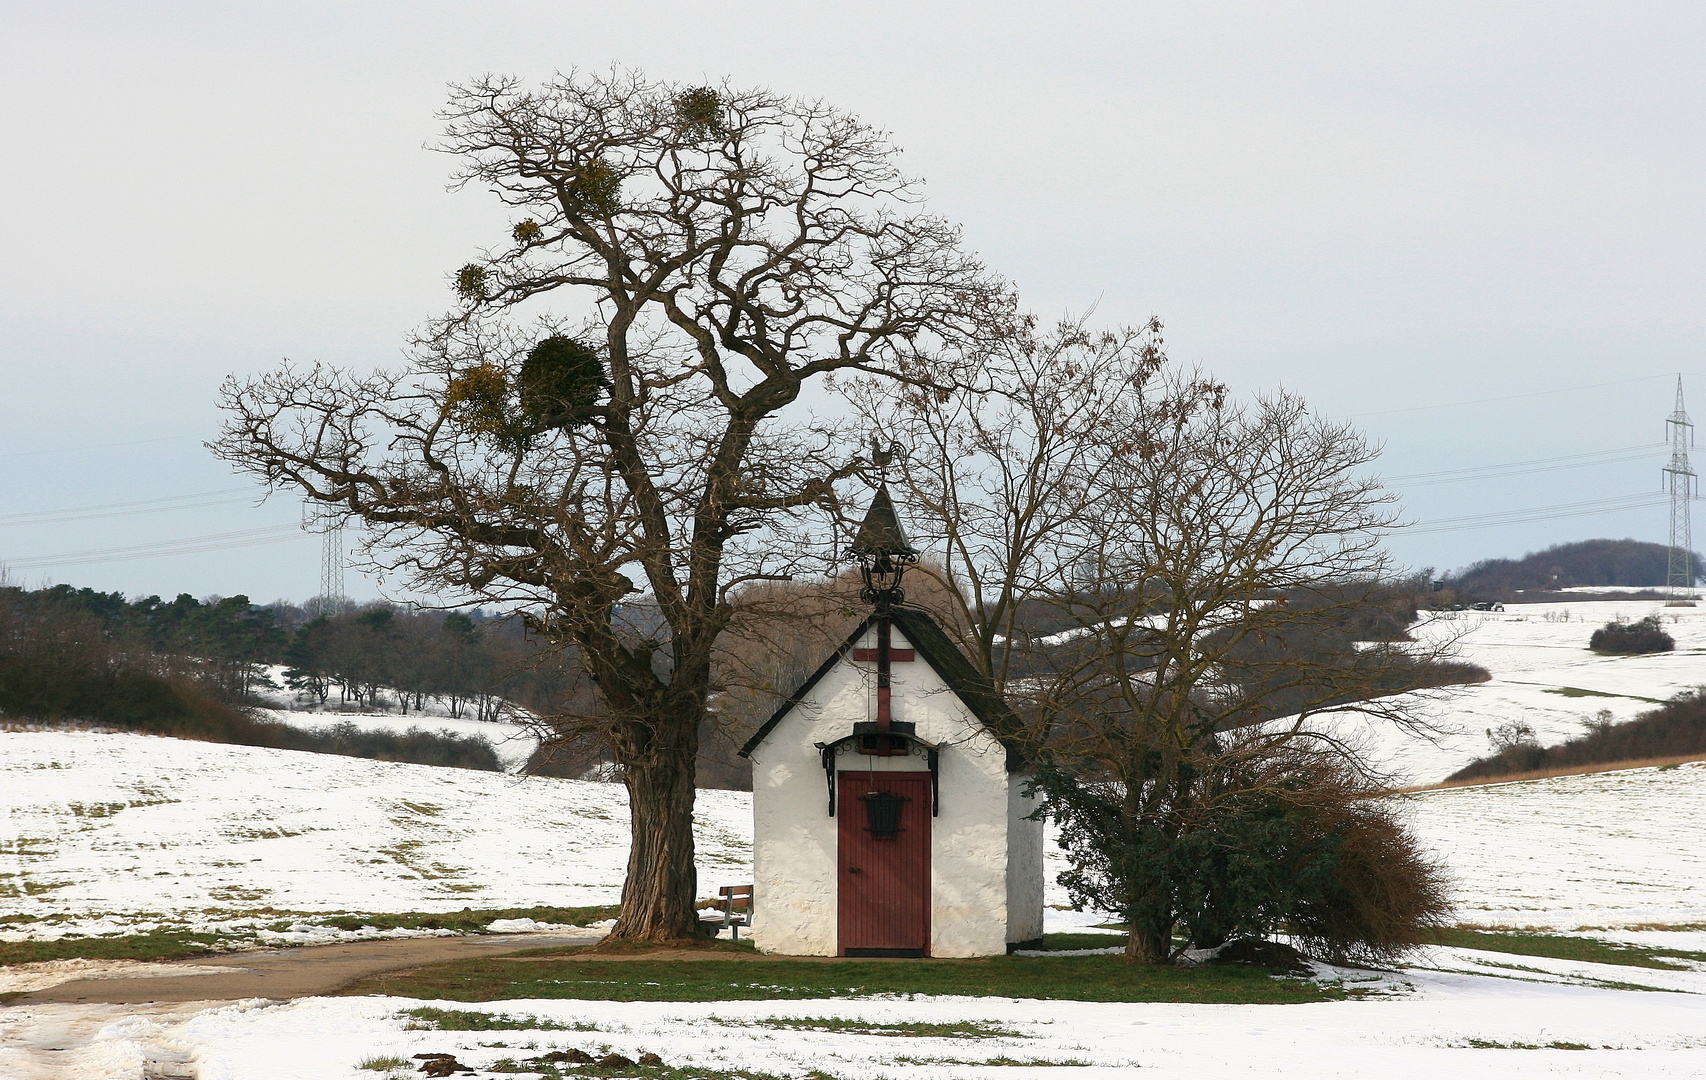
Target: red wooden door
{"x": 884, "y": 882}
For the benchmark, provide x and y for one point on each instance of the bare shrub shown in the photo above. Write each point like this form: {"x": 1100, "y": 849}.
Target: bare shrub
{"x": 1676, "y": 729}
{"x": 1382, "y": 894}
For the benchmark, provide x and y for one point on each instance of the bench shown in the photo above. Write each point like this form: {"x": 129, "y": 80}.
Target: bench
{"x": 734, "y": 910}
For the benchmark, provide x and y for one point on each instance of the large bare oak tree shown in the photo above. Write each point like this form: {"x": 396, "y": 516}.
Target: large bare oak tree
{"x": 610, "y": 433}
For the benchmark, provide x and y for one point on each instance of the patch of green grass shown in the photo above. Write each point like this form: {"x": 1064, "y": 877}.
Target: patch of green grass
{"x": 29, "y": 847}
{"x": 95, "y": 810}
{"x": 178, "y": 945}
{"x": 955, "y": 1029}
{"x": 468, "y": 920}
{"x": 1489, "y": 1044}
{"x": 246, "y": 833}
{"x": 576, "y": 973}
{"x": 430, "y": 1019}
{"x": 383, "y": 1064}
{"x": 1565, "y": 947}
{"x": 1550, "y": 976}
{"x": 36, "y": 888}
{"x": 1068, "y": 942}
{"x": 159, "y": 945}
{"x": 1578, "y": 692}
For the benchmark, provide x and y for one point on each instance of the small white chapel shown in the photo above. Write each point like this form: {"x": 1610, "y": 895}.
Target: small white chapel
{"x": 889, "y": 814}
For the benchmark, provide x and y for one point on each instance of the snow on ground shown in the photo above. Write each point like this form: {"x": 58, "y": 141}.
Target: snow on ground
{"x": 104, "y": 833}
{"x": 514, "y": 743}
{"x": 111, "y": 832}
{"x": 1616, "y": 849}
{"x": 1425, "y": 1025}
{"x": 1542, "y": 674}
{"x": 22, "y": 978}
{"x": 122, "y": 832}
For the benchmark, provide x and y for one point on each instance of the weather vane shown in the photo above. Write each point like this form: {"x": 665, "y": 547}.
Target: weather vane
{"x": 882, "y": 459}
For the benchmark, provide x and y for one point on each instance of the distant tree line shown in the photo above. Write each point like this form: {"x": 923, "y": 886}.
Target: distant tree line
{"x": 194, "y": 668}
{"x": 382, "y": 657}
{"x": 1673, "y": 730}
{"x": 378, "y": 656}
{"x": 1635, "y": 564}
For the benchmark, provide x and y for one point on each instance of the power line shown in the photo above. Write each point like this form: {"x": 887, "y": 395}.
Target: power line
{"x": 96, "y": 446}
{"x": 190, "y": 545}
{"x": 1517, "y": 468}
{"x": 1537, "y": 513}
{"x": 1647, "y": 456}
{"x": 195, "y": 501}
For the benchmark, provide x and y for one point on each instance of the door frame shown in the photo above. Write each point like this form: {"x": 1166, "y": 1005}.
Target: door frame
{"x": 917, "y": 815}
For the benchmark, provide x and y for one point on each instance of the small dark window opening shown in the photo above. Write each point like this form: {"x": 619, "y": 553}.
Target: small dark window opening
{"x": 883, "y": 745}
{"x": 882, "y": 810}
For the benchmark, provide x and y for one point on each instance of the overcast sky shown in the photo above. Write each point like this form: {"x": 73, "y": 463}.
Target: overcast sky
{"x": 1474, "y": 229}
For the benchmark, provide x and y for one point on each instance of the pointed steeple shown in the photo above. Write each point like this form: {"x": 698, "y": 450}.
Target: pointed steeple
{"x": 880, "y": 533}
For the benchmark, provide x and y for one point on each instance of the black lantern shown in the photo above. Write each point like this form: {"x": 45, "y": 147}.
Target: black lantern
{"x": 882, "y": 811}
{"x": 883, "y": 553}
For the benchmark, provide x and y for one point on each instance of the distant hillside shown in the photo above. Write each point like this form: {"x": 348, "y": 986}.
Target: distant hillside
{"x": 1635, "y": 563}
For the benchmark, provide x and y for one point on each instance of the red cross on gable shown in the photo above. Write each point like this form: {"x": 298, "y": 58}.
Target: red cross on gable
{"x": 898, "y": 656}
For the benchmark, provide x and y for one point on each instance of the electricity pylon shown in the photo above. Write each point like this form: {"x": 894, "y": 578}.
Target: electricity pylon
{"x": 330, "y": 525}
{"x": 1683, "y": 485}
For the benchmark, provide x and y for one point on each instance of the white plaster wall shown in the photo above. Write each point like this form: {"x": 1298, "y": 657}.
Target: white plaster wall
{"x": 793, "y": 849}
{"x": 794, "y": 838}
{"x": 1024, "y": 864}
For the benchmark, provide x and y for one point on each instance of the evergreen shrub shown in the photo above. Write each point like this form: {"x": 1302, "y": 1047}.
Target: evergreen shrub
{"x": 1645, "y": 636}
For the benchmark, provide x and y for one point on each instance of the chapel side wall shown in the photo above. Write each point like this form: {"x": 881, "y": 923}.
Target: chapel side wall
{"x": 1024, "y": 864}
{"x": 794, "y": 838}
{"x": 968, "y": 855}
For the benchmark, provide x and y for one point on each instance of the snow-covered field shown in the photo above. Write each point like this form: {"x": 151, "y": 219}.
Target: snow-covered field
{"x": 1618, "y": 849}
{"x": 513, "y": 742}
{"x": 121, "y": 831}
{"x": 1437, "y": 1026}
{"x": 102, "y": 833}
{"x": 1542, "y": 675}
{"x": 124, "y": 832}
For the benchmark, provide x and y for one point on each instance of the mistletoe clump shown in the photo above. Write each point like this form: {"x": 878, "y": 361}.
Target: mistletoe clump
{"x": 699, "y": 113}
{"x": 560, "y": 381}
{"x": 471, "y": 282}
{"x": 597, "y": 189}
{"x": 475, "y": 401}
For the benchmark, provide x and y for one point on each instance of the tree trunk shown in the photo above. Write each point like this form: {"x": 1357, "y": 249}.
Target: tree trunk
{"x": 1151, "y": 937}
{"x": 662, "y": 885}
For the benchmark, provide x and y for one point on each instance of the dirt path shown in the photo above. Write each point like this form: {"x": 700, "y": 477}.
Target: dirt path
{"x": 290, "y": 973}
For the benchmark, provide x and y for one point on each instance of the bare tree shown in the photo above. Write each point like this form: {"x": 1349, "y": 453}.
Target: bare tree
{"x": 999, "y": 476}
{"x": 621, "y": 479}
{"x": 1230, "y": 543}
{"x": 1155, "y": 575}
